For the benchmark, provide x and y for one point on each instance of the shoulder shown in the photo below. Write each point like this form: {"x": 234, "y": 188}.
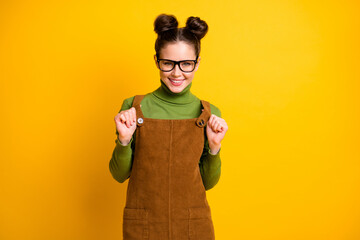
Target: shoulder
{"x": 215, "y": 110}
{"x": 127, "y": 103}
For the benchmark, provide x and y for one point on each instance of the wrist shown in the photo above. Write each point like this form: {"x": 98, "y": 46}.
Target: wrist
{"x": 214, "y": 148}
{"x": 124, "y": 142}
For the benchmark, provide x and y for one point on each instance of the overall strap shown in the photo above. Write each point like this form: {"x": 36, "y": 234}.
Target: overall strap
{"x": 205, "y": 115}
{"x": 139, "y": 114}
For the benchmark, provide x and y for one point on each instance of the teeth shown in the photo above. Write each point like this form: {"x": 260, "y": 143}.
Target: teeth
{"x": 176, "y": 81}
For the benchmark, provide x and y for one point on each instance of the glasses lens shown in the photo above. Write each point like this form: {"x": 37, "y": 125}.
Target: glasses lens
{"x": 187, "y": 66}
{"x": 166, "y": 65}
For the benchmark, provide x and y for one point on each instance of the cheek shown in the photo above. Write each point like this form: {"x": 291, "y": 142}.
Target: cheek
{"x": 163, "y": 74}
{"x": 189, "y": 75}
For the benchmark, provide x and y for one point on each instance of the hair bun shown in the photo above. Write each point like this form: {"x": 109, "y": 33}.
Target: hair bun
{"x": 197, "y": 26}
{"x": 164, "y": 23}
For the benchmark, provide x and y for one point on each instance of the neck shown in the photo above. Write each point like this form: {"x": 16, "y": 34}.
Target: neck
{"x": 165, "y": 94}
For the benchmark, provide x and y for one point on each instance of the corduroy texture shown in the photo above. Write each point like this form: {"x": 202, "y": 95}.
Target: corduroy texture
{"x": 166, "y": 199}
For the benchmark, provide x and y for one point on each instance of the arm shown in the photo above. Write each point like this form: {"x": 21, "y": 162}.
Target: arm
{"x": 210, "y": 164}
{"x": 121, "y": 161}
{"x": 210, "y": 167}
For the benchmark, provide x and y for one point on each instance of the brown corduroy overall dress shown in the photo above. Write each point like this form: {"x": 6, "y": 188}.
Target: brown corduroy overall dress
{"x": 166, "y": 198}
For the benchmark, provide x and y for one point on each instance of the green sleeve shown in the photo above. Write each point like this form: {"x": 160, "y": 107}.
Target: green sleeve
{"x": 121, "y": 161}
{"x": 210, "y": 165}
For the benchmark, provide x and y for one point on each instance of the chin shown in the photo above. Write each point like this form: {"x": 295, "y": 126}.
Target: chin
{"x": 176, "y": 90}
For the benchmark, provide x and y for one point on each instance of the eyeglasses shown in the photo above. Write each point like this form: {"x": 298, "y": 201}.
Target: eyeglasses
{"x": 167, "y": 65}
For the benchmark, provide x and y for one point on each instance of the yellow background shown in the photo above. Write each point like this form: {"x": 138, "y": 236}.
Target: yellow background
{"x": 285, "y": 75}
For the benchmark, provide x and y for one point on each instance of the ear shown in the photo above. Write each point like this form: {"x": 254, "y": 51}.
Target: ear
{"x": 197, "y": 64}
{"x": 156, "y": 63}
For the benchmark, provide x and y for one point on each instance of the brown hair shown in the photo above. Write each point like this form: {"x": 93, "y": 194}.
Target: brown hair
{"x": 166, "y": 26}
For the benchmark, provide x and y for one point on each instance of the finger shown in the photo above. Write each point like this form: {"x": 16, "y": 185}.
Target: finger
{"x": 117, "y": 117}
{"x": 127, "y": 119}
{"x": 122, "y": 118}
{"x": 211, "y": 120}
{"x": 131, "y": 116}
{"x": 215, "y": 118}
{"x": 224, "y": 125}
{"x": 216, "y": 125}
{"x": 210, "y": 123}
{"x": 220, "y": 128}
{"x": 134, "y": 110}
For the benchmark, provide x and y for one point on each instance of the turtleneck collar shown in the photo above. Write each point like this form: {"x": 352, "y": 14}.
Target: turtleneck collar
{"x": 165, "y": 94}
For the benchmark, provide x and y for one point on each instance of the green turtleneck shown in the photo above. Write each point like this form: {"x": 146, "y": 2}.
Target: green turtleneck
{"x": 164, "y": 104}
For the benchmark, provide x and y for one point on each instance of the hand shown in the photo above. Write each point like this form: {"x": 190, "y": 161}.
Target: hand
{"x": 215, "y": 131}
{"x": 126, "y": 124}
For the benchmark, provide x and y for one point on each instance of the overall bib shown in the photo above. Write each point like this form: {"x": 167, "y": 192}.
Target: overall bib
{"x": 166, "y": 198}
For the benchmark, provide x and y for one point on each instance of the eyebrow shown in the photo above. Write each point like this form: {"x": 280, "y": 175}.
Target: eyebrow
{"x": 177, "y": 61}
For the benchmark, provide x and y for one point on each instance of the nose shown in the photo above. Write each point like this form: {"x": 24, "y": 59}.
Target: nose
{"x": 176, "y": 71}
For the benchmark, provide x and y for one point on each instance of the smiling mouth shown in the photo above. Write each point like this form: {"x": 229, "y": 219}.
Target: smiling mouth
{"x": 177, "y": 80}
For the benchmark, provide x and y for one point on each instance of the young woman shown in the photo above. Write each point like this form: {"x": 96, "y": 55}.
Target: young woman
{"x": 168, "y": 144}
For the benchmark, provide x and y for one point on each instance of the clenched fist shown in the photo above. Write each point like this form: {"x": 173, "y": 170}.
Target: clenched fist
{"x": 125, "y": 125}
{"x": 215, "y": 131}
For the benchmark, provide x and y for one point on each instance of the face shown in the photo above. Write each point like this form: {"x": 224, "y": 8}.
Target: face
{"x": 176, "y": 80}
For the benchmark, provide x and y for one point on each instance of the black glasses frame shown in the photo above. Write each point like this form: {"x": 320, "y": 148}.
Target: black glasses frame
{"x": 177, "y": 63}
